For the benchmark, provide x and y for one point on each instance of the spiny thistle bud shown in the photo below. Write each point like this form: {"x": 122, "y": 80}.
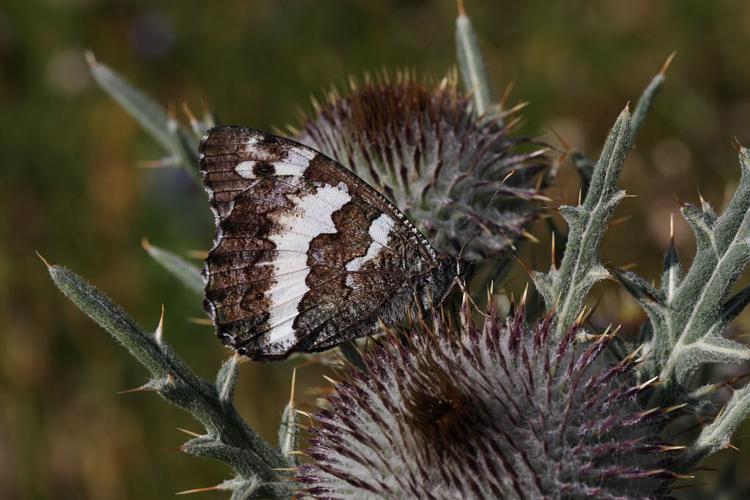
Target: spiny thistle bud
{"x": 426, "y": 148}
{"x": 501, "y": 411}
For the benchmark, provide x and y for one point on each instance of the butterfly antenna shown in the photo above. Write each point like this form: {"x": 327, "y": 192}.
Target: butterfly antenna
{"x": 458, "y": 281}
{"x": 478, "y": 230}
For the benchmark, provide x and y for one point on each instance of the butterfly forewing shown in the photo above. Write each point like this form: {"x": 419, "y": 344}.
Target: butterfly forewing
{"x": 306, "y": 254}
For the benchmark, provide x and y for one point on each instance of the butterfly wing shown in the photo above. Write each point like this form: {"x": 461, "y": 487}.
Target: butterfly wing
{"x": 306, "y": 254}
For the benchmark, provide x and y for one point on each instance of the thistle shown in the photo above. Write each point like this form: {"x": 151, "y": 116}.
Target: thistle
{"x": 441, "y": 162}
{"x": 497, "y": 410}
{"x": 448, "y": 407}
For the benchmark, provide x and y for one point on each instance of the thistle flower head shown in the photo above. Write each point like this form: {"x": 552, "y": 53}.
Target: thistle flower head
{"x": 501, "y": 411}
{"x": 425, "y": 147}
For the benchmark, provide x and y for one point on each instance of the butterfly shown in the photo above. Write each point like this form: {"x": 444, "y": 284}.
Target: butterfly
{"x": 306, "y": 254}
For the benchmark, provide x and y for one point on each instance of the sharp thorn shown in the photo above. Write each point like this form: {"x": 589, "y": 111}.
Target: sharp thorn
{"x": 672, "y": 448}
{"x": 460, "y": 7}
{"x": 506, "y": 93}
{"x": 44, "y": 261}
{"x": 670, "y": 409}
{"x": 142, "y": 388}
{"x": 648, "y": 383}
{"x": 291, "y": 393}
{"x": 159, "y": 333}
{"x": 189, "y": 433}
{"x": 90, "y": 59}
{"x": 200, "y": 321}
{"x": 667, "y": 63}
{"x": 190, "y": 116}
{"x": 218, "y": 487}
{"x": 197, "y": 254}
{"x": 736, "y": 144}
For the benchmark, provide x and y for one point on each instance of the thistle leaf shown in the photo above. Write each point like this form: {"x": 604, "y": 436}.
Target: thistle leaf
{"x": 471, "y": 63}
{"x": 188, "y": 273}
{"x": 687, "y": 333}
{"x": 113, "y": 319}
{"x": 212, "y": 447}
{"x": 716, "y": 436}
{"x": 709, "y": 349}
{"x": 173, "y": 379}
{"x": 164, "y": 129}
{"x": 651, "y": 299}
{"x": 580, "y": 269}
{"x": 723, "y": 251}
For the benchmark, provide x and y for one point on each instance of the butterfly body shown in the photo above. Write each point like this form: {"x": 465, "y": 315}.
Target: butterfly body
{"x": 306, "y": 254}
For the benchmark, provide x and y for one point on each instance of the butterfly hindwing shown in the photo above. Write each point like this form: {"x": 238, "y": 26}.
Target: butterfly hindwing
{"x": 306, "y": 254}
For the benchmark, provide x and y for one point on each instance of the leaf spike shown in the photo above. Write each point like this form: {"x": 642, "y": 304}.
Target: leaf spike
{"x": 671, "y": 447}
{"x": 667, "y": 63}
{"x": 565, "y": 144}
{"x": 190, "y": 116}
{"x": 506, "y": 94}
{"x": 44, "y": 261}
{"x": 90, "y": 58}
{"x": 634, "y": 353}
{"x": 147, "y": 387}
{"x": 648, "y": 412}
{"x": 200, "y": 321}
{"x": 518, "y": 107}
{"x": 291, "y": 392}
{"x": 670, "y": 409}
{"x": 581, "y": 317}
{"x": 460, "y": 7}
{"x": 525, "y": 294}
{"x": 530, "y": 237}
{"x": 159, "y": 332}
{"x": 732, "y": 447}
{"x": 647, "y": 383}
{"x": 189, "y": 433}
{"x": 615, "y": 331}
{"x": 736, "y": 144}
{"x": 284, "y": 469}
{"x": 515, "y": 121}
{"x": 330, "y": 380}
{"x": 217, "y": 487}
{"x": 522, "y": 264}
{"x": 197, "y": 254}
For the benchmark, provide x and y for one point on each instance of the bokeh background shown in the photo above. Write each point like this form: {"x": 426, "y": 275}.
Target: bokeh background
{"x": 71, "y": 186}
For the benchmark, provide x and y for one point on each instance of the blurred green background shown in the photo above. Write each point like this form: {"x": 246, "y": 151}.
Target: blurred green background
{"x": 70, "y": 185}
